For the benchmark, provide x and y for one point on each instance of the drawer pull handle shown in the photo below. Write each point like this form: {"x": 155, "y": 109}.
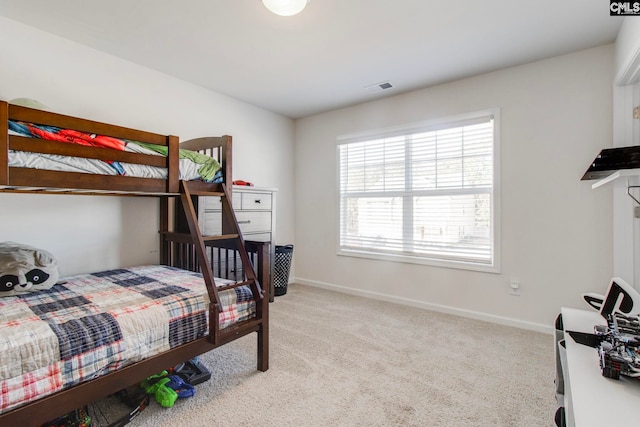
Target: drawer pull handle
{"x": 245, "y": 222}
{"x": 257, "y": 201}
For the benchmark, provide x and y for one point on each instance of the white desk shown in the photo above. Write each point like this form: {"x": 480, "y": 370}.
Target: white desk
{"x": 590, "y": 398}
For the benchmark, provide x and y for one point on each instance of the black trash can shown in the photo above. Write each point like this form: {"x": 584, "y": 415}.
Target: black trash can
{"x": 281, "y": 268}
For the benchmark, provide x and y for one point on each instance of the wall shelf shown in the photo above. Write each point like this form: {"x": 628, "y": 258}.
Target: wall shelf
{"x": 615, "y": 175}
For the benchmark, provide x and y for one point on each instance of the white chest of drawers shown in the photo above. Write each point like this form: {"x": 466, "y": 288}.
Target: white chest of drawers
{"x": 255, "y": 210}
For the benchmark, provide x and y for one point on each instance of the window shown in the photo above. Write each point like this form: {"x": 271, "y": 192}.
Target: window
{"x": 423, "y": 193}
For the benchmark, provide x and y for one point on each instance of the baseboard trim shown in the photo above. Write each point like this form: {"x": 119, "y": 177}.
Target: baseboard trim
{"x": 538, "y": 327}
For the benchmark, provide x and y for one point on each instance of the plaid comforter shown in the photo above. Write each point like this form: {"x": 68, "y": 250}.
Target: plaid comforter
{"x": 93, "y": 324}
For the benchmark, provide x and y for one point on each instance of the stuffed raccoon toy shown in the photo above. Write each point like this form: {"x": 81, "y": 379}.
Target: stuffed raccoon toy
{"x": 25, "y": 269}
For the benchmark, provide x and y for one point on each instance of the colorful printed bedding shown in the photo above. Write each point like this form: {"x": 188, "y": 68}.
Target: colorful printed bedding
{"x": 92, "y": 324}
{"x": 193, "y": 165}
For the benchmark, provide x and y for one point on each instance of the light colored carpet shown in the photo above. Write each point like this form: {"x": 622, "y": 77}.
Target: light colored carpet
{"x": 340, "y": 360}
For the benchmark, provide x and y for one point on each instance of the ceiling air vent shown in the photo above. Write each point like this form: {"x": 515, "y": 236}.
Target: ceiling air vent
{"x": 379, "y": 87}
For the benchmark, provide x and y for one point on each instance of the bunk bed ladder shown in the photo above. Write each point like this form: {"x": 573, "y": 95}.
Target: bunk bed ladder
{"x": 230, "y": 232}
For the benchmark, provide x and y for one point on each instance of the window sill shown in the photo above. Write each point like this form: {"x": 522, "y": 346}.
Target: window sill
{"x": 434, "y": 262}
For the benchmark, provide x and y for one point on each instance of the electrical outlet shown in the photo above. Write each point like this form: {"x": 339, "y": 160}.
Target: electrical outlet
{"x": 514, "y": 286}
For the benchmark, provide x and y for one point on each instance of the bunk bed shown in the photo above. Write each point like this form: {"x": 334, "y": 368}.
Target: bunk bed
{"x": 185, "y": 253}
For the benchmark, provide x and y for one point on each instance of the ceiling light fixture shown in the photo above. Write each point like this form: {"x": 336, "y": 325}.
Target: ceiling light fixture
{"x": 285, "y": 7}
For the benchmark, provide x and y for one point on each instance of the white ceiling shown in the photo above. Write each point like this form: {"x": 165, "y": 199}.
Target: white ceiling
{"x": 324, "y": 57}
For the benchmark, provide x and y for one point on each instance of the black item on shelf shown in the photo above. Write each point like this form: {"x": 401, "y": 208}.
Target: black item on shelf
{"x": 281, "y": 268}
{"x": 610, "y": 160}
{"x": 192, "y": 372}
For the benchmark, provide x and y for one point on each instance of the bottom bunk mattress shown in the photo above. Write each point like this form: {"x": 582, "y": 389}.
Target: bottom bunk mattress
{"x": 91, "y": 324}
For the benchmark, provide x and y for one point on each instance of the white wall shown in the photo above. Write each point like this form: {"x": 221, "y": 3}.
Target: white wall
{"x": 556, "y": 231}
{"x": 90, "y": 233}
{"x": 626, "y": 131}
{"x": 627, "y": 46}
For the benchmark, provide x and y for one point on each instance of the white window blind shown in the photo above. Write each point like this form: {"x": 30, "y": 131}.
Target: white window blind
{"x": 425, "y": 193}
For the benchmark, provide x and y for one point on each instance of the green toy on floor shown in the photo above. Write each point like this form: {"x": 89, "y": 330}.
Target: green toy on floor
{"x": 167, "y": 388}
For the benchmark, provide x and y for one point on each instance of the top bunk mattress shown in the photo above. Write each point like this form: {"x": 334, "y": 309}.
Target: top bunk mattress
{"x": 91, "y": 324}
{"x": 42, "y": 151}
{"x": 193, "y": 165}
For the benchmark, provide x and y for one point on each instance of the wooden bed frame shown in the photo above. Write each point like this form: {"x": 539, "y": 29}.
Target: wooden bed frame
{"x": 182, "y": 247}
